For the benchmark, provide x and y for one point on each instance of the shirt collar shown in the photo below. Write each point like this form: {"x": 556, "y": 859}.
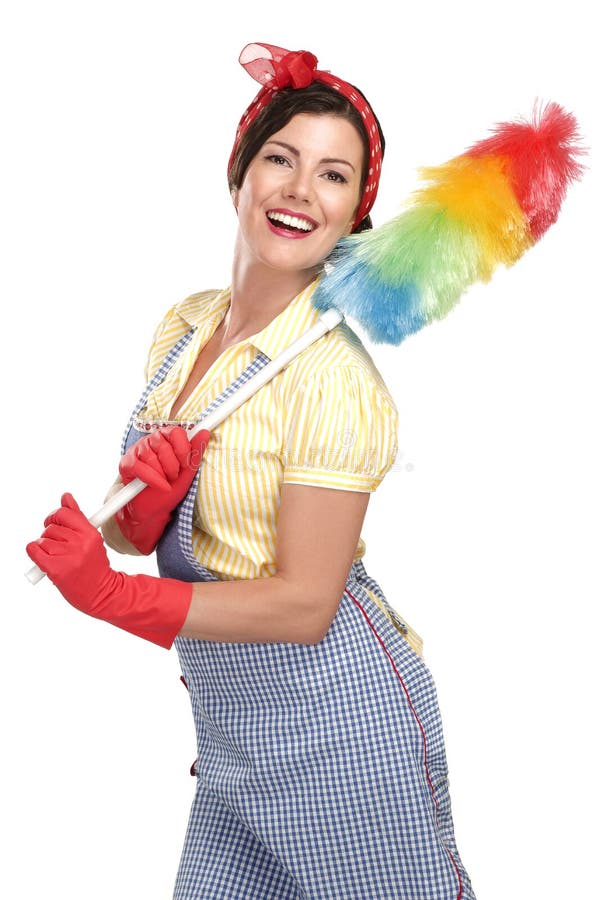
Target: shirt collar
{"x": 297, "y": 317}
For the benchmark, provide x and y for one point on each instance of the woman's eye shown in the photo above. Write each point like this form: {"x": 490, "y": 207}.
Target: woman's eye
{"x": 278, "y": 160}
{"x": 335, "y": 176}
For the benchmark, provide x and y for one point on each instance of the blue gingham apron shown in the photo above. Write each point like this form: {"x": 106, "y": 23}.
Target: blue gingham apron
{"x": 321, "y": 770}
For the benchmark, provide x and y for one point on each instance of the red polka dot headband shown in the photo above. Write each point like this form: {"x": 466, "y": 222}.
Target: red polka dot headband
{"x": 275, "y": 68}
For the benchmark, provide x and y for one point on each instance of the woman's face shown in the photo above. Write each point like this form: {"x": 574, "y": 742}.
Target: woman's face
{"x": 300, "y": 192}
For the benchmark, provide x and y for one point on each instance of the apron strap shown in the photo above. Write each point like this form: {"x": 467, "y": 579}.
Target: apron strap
{"x": 185, "y": 511}
{"x": 159, "y": 376}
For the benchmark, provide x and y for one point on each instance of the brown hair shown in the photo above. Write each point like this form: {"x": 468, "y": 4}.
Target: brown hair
{"x": 317, "y": 98}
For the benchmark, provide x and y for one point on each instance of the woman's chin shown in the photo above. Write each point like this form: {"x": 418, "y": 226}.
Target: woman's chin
{"x": 286, "y": 263}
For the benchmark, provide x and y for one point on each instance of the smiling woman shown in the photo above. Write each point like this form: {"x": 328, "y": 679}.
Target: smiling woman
{"x": 321, "y": 768}
{"x": 290, "y": 191}
{"x": 261, "y": 123}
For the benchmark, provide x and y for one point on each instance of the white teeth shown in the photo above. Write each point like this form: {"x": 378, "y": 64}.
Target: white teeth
{"x": 294, "y": 221}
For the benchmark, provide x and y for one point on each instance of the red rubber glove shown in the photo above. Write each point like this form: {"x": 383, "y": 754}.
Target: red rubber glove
{"x": 167, "y": 462}
{"x": 71, "y": 552}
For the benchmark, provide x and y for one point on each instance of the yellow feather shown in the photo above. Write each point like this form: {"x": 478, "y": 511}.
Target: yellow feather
{"x": 476, "y": 193}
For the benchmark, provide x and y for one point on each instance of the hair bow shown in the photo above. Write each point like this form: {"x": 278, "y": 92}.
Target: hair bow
{"x": 279, "y": 68}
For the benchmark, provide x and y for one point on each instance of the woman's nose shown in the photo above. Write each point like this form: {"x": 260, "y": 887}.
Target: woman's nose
{"x": 299, "y": 186}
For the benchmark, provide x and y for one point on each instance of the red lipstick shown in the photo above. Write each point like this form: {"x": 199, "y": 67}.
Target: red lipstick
{"x": 282, "y": 231}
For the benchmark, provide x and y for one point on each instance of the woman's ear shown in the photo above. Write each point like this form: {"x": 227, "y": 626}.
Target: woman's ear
{"x": 234, "y": 197}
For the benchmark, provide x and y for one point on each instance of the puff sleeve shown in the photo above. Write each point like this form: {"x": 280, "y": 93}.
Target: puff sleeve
{"x": 341, "y": 431}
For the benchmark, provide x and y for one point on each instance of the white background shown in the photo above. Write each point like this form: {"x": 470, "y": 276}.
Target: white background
{"x": 118, "y": 118}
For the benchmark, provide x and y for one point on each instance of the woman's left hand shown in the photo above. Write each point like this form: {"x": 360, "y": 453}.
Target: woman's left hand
{"x": 72, "y": 553}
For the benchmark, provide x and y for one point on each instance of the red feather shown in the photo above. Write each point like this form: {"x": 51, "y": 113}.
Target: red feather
{"x": 542, "y": 161}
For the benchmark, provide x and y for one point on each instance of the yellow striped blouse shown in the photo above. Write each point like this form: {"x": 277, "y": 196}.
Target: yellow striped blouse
{"x": 328, "y": 420}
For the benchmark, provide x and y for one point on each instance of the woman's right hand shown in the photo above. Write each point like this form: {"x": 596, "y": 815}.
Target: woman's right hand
{"x": 167, "y": 461}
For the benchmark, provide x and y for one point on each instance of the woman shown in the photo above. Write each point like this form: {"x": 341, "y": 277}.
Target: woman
{"x": 321, "y": 769}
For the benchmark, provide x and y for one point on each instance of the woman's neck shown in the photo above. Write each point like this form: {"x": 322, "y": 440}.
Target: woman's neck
{"x": 258, "y": 294}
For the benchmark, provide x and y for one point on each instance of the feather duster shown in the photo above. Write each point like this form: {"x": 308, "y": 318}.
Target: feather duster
{"x": 481, "y": 209}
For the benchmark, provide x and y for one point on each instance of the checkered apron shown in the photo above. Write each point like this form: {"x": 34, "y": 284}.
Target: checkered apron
{"x": 321, "y": 771}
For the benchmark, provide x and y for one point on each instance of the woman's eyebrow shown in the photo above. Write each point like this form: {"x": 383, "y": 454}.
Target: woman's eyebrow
{"x": 297, "y": 153}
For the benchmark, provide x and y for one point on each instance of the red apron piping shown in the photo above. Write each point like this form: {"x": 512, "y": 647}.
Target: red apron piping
{"x": 422, "y": 730}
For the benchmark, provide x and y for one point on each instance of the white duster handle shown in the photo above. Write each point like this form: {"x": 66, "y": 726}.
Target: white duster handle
{"x": 328, "y": 320}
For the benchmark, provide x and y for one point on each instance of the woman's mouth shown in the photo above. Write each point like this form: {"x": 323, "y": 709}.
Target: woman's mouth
{"x": 288, "y": 224}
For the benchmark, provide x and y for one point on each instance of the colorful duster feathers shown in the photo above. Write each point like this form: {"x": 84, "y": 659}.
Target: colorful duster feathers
{"x": 485, "y": 207}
